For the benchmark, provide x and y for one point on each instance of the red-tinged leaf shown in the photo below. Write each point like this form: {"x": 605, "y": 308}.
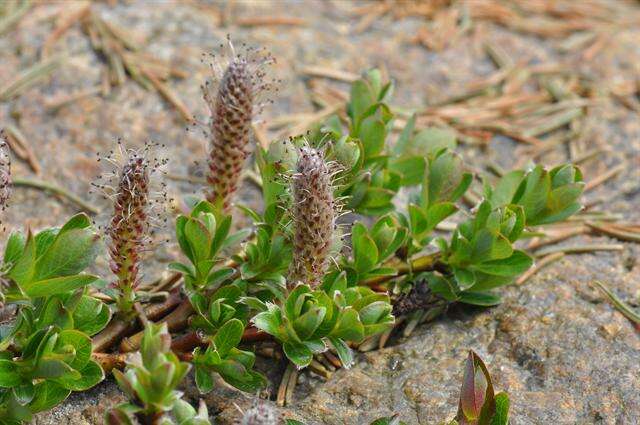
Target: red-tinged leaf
{"x": 477, "y": 399}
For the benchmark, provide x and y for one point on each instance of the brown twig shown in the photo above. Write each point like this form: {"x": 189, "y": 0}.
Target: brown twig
{"x": 110, "y": 361}
{"x": 177, "y": 320}
{"x": 118, "y": 328}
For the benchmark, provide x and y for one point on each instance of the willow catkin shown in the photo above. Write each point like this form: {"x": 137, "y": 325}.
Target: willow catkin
{"x": 135, "y": 208}
{"x": 233, "y": 99}
{"x": 261, "y": 413}
{"x": 5, "y": 175}
{"x": 314, "y": 215}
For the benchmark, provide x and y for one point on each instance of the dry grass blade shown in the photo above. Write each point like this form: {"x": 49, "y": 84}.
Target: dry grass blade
{"x": 29, "y": 77}
{"x": 123, "y": 53}
{"x": 579, "y": 249}
{"x": 604, "y": 177}
{"x": 55, "y": 103}
{"x": 331, "y": 73}
{"x": 262, "y": 21}
{"x": 56, "y": 190}
{"x": 542, "y": 263}
{"x": 67, "y": 17}
{"x": 554, "y": 122}
{"x": 7, "y": 22}
{"x": 555, "y": 238}
{"x": 625, "y": 233}
{"x": 620, "y": 305}
{"x": 20, "y": 146}
{"x": 170, "y": 96}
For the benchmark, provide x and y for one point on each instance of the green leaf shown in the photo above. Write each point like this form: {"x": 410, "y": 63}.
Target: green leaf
{"x": 438, "y": 212}
{"x": 517, "y": 263}
{"x": 444, "y": 178}
{"x": 91, "y": 315}
{"x": 74, "y": 249}
{"x": 504, "y": 190}
{"x": 23, "y": 268}
{"x": 532, "y": 194}
{"x": 221, "y": 235}
{"x": 44, "y": 239}
{"x": 344, "y": 352}
{"x": 465, "y": 278}
{"x": 185, "y": 246}
{"x": 405, "y": 137}
{"x": 501, "y": 417}
{"x": 365, "y": 251}
{"x": 80, "y": 342}
{"x": 349, "y": 326}
{"x": 360, "y": 100}
{"x": 51, "y": 368}
{"x": 374, "y": 312}
{"x": 182, "y": 268}
{"x": 91, "y": 375}
{"x": 9, "y": 374}
{"x": 228, "y": 336}
{"x": 268, "y": 321}
{"x": 217, "y": 277}
{"x": 299, "y": 354}
{"x": 442, "y": 287}
{"x": 53, "y": 313}
{"x": 24, "y": 393}
{"x": 417, "y": 220}
{"x": 558, "y": 216}
{"x": 431, "y": 140}
{"x": 377, "y": 198}
{"x": 204, "y": 380}
{"x": 307, "y": 323}
{"x": 485, "y": 299}
{"x": 372, "y": 133}
{"x": 57, "y": 285}
{"x": 13, "y": 249}
{"x": 247, "y": 381}
{"x": 198, "y": 238}
{"x": 411, "y": 168}
{"x": 48, "y": 394}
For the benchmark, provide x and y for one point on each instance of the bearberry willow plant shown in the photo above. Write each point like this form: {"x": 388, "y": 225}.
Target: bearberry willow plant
{"x": 291, "y": 280}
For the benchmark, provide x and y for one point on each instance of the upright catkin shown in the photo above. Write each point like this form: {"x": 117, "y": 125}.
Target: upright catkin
{"x": 135, "y": 210}
{"x": 233, "y": 99}
{"x": 5, "y": 175}
{"x": 314, "y": 215}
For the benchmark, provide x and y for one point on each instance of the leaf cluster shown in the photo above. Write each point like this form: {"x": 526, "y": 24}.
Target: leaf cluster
{"x": 310, "y": 320}
{"x": 45, "y": 353}
{"x": 150, "y": 382}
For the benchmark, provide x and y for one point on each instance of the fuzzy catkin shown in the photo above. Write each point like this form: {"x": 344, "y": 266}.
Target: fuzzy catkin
{"x": 128, "y": 229}
{"x": 5, "y": 176}
{"x": 232, "y": 113}
{"x": 314, "y": 217}
{"x": 260, "y": 414}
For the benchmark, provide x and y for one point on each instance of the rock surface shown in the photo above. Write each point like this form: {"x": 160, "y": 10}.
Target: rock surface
{"x": 563, "y": 354}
